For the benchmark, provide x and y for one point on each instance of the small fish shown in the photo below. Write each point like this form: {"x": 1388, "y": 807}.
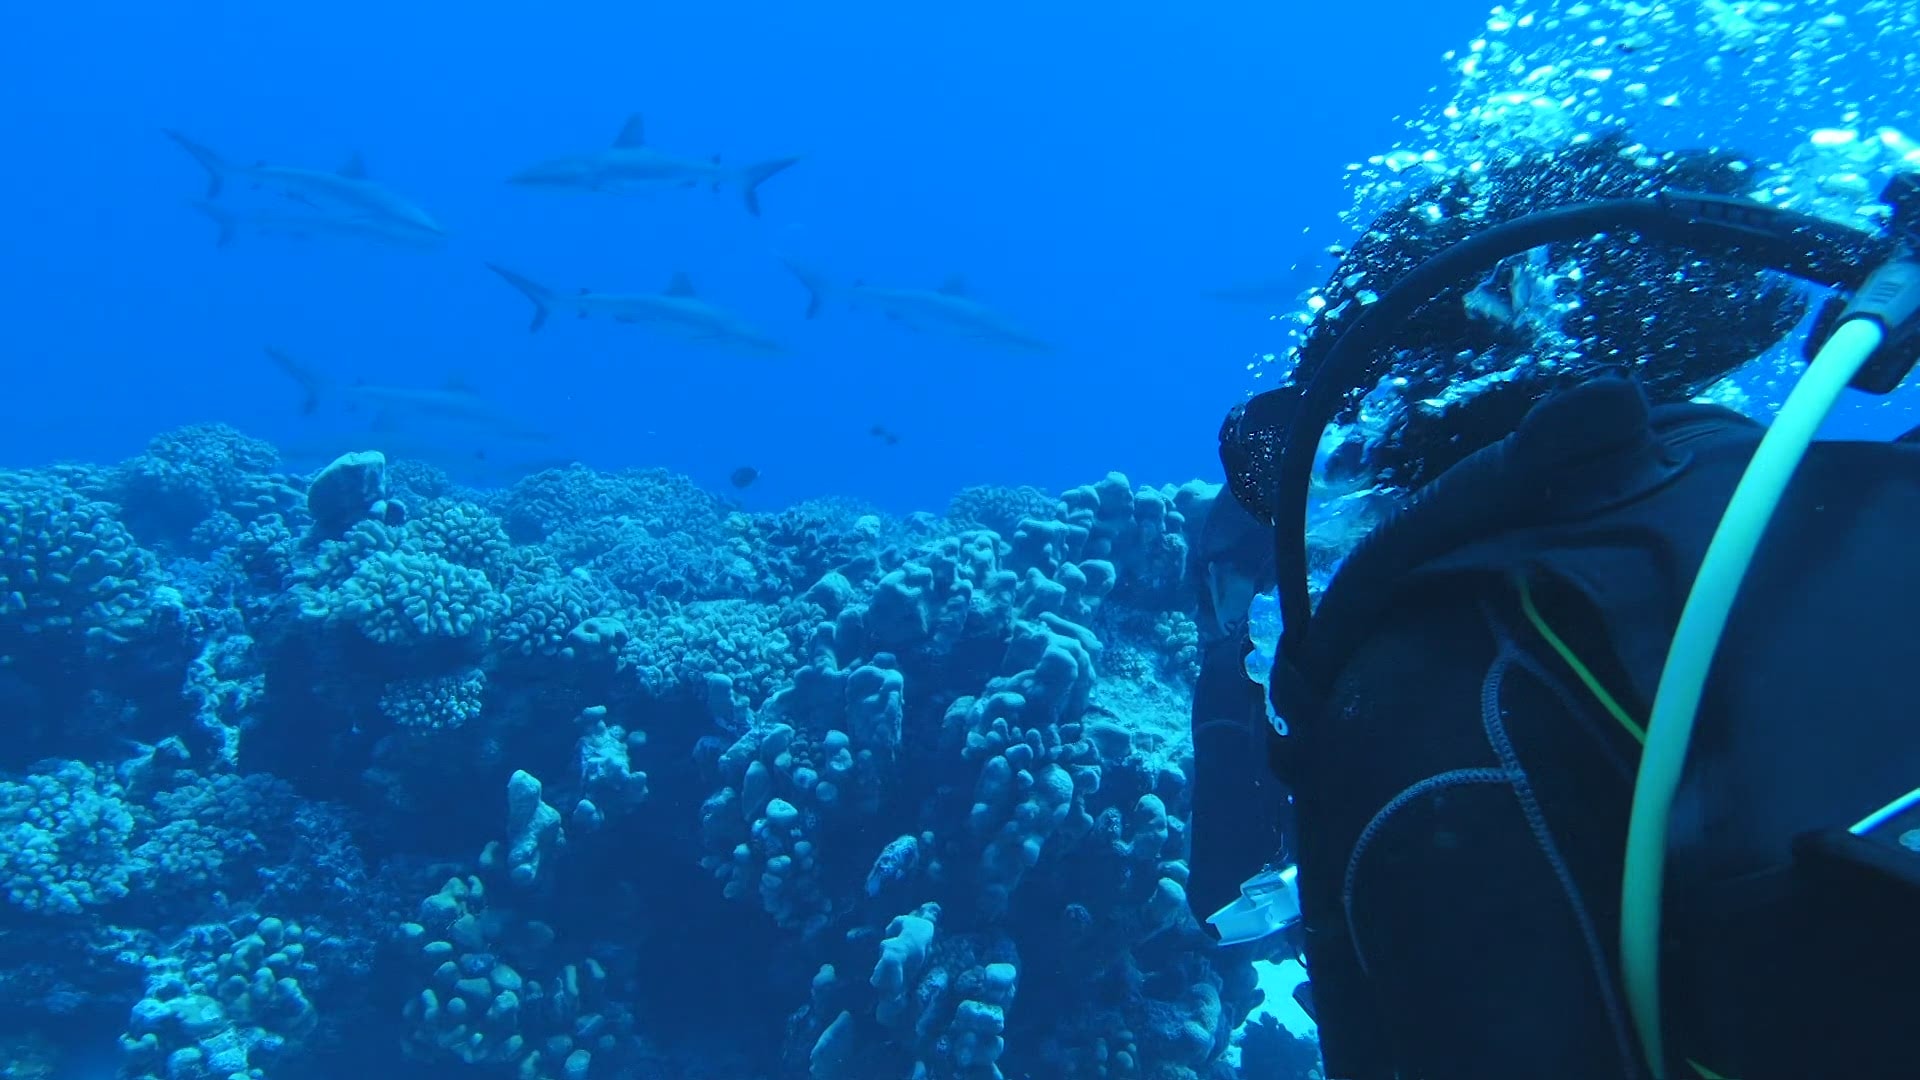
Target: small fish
{"x": 744, "y": 476}
{"x": 897, "y": 862}
{"x": 881, "y": 433}
{"x": 949, "y": 309}
{"x": 346, "y": 188}
{"x": 677, "y": 310}
{"x": 630, "y": 165}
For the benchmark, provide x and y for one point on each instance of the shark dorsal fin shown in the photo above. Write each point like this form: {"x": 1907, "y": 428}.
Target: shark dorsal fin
{"x": 355, "y": 168}
{"x": 456, "y": 384}
{"x": 680, "y": 285}
{"x": 584, "y": 290}
{"x": 954, "y": 286}
{"x": 633, "y": 134}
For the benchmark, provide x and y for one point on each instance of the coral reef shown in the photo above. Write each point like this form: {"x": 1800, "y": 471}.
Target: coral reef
{"x": 599, "y": 776}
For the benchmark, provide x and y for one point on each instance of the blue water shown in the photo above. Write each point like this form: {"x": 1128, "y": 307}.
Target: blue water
{"x": 808, "y": 791}
{"x": 1091, "y": 170}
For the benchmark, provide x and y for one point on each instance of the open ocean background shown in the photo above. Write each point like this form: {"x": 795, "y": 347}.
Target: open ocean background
{"x": 271, "y": 797}
{"x": 1092, "y": 170}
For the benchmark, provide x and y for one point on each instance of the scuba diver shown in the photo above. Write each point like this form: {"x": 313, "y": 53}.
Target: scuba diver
{"x": 1595, "y": 756}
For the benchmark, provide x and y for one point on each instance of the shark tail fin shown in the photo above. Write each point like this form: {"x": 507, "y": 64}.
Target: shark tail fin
{"x": 215, "y": 165}
{"x": 220, "y": 217}
{"x": 309, "y": 381}
{"x": 812, "y": 280}
{"x": 754, "y": 175}
{"x": 540, "y": 295}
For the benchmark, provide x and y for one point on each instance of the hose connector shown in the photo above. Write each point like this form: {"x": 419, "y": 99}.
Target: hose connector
{"x": 1890, "y": 297}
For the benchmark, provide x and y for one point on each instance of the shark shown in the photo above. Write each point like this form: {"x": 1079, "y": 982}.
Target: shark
{"x": 454, "y": 402}
{"x": 462, "y": 462}
{"x": 268, "y": 222}
{"x": 631, "y": 166}
{"x": 677, "y": 309}
{"x": 346, "y": 189}
{"x": 949, "y": 309}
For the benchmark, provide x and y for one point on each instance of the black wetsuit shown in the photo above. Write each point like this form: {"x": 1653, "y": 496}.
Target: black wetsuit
{"x": 1463, "y": 791}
